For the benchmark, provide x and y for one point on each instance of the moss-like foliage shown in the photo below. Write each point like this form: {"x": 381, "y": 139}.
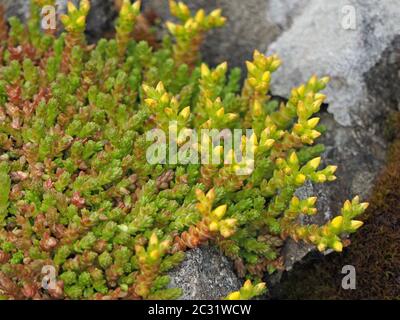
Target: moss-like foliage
{"x": 78, "y": 193}
{"x": 375, "y": 250}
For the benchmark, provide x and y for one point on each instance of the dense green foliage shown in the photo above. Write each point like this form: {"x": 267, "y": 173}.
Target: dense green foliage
{"x": 78, "y": 193}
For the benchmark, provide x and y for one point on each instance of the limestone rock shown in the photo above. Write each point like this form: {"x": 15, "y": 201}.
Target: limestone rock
{"x": 205, "y": 274}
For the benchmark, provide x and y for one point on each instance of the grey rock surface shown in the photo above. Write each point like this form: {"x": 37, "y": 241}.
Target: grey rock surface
{"x": 19, "y": 8}
{"x": 204, "y": 274}
{"x": 318, "y": 42}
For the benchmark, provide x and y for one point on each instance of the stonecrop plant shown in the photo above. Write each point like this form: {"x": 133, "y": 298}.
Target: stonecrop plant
{"x": 78, "y": 194}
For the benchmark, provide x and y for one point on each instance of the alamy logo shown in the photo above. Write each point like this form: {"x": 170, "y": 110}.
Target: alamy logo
{"x": 49, "y": 280}
{"x": 189, "y": 146}
{"x": 349, "y": 18}
{"x": 49, "y": 18}
{"x": 349, "y": 280}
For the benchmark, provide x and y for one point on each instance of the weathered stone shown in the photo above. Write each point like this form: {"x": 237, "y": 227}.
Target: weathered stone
{"x": 317, "y": 42}
{"x": 205, "y": 274}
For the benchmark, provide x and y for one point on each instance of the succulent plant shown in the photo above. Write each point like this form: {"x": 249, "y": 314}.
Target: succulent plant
{"x": 78, "y": 193}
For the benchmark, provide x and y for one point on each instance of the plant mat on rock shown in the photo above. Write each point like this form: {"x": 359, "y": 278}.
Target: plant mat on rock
{"x": 375, "y": 250}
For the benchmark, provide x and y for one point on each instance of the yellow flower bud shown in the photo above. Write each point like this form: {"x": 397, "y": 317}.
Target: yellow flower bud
{"x": 211, "y": 195}
{"x": 155, "y": 254}
{"x": 266, "y": 76}
{"x": 234, "y": 296}
{"x": 313, "y": 80}
{"x": 168, "y": 111}
{"x": 338, "y": 246}
{"x": 247, "y": 285}
{"x": 300, "y": 179}
{"x": 253, "y": 82}
{"x": 269, "y": 143}
{"x": 364, "y": 205}
{"x": 171, "y": 27}
{"x": 220, "y": 211}
{"x": 321, "y": 247}
{"x": 160, "y": 87}
{"x": 205, "y": 70}
{"x": 314, "y": 163}
{"x": 153, "y": 240}
{"x": 220, "y": 112}
{"x": 293, "y": 159}
{"x": 312, "y": 201}
{"x": 85, "y": 6}
{"x": 301, "y": 90}
{"x": 315, "y": 134}
{"x": 165, "y": 98}
{"x": 226, "y": 232}
{"x": 71, "y": 7}
{"x": 185, "y": 113}
{"x": 136, "y": 6}
{"x": 347, "y": 207}
{"x": 251, "y": 67}
{"x": 260, "y": 287}
{"x": 275, "y": 64}
{"x": 356, "y": 224}
{"x": 213, "y": 226}
{"x": 230, "y": 222}
{"x": 257, "y": 108}
{"x": 295, "y": 201}
{"x": 81, "y": 21}
{"x": 216, "y": 13}
{"x": 312, "y": 238}
{"x": 125, "y": 8}
{"x": 184, "y": 9}
{"x": 65, "y": 20}
{"x": 232, "y": 116}
{"x": 337, "y": 222}
{"x": 312, "y": 123}
{"x": 325, "y": 80}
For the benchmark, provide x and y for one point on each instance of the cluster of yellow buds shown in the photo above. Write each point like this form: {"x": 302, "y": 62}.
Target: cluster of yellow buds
{"x": 259, "y": 75}
{"x": 327, "y": 174}
{"x": 257, "y": 85}
{"x": 235, "y": 169}
{"x": 125, "y": 23}
{"x": 75, "y": 20}
{"x": 200, "y": 22}
{"x": 165, "y": 107}
{"x": 297, "y": 206}
{"x": 304, "y": 101}
{"x": 215, "y": 218}
{"x": 211, "y": 81}
{"x": 155, "y": 250}
{"x": 269, "y": 136}
{"x": 248, "y": 291}
{"x": 149, "y": 261}
{"x": 328, "y": 235}
{"x": 210, "y": 112}
{"x": 217, "y": 118}
{"x": 287, "y": 174}
{"x": 190, "y": 33}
